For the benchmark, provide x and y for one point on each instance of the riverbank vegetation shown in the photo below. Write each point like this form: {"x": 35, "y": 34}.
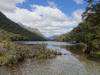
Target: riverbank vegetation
{"x": 88, "y": 31}
{"x": 11, "y": 52}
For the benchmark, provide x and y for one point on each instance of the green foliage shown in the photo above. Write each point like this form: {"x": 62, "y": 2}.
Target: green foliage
{"x": 44, "y": 53}
{"x": 10, "y": 52}
{"x": 65, "y": 37}
{"x": 15, "y": 53}
{"x": 3, "y": 59}
{"x": 18, "y": 32}
{"x": 88, "y": 31}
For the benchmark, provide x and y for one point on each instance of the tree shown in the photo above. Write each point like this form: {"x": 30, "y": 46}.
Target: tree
{"x": 88, "y": 31}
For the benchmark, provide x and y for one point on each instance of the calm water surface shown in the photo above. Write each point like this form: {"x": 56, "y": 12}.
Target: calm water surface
{"x": 66, "y": 64}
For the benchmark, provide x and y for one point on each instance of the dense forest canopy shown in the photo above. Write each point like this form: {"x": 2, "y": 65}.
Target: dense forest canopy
{"x": 88, "y": 31}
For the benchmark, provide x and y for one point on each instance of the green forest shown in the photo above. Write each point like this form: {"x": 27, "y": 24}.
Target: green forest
{"x": 49, "y": 37}
{"x": 88, "y": 31}
{"x": 10, "y": 51}
{"x": 15, "y": 32}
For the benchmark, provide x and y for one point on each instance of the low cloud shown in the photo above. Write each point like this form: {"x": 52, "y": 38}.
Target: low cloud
{"x": 9, "y": 5}
{"x": 49, "y": 20}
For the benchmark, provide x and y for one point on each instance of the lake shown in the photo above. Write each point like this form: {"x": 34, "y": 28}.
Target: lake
{"x": 66, "y": 64}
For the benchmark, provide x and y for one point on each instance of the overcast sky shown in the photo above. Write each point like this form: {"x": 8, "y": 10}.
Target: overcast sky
{"x": 51, "y": 17}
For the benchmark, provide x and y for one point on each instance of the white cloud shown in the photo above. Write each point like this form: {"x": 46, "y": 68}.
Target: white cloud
{"x": 77, "y": 15}
{"x": 49, "y": 20}
{"x": 79, "y": 1}
{"x": 9, "y": 5}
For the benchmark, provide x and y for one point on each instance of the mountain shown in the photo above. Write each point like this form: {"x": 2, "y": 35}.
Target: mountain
{"x": 32, "y": 30}
{"x": 18, "y": 32}
{"x": 52, "y": 38}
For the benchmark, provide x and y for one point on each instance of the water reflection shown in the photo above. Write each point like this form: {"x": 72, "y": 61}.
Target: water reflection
{"x": 61, "y": 65}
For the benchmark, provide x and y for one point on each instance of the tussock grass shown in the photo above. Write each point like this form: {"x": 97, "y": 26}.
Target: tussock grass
{"x": 15, "y": 53}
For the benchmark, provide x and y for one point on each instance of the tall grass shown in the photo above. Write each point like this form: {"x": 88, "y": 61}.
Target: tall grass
{"x": 16, "y": 52}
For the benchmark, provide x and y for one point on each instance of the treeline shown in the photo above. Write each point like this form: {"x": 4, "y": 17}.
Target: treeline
{"x": 88, "y": 31}
{"x": 18, "y": 33}
{"x": 12, "y": 52}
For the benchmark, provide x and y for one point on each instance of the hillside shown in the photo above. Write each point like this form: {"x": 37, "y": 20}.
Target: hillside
{"x": 18, "y": 32}
{"x": 88, "y": 31}
{"x": 34, "y": 30}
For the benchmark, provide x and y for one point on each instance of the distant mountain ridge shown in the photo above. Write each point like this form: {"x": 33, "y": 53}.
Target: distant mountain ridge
{"x": 35, "y": 30}
{"x": 52, "y": 38}
{"x": 20, "y": 33}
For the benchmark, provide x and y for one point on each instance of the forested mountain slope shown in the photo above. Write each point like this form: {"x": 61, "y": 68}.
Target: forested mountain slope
{"x": 88, "y": 31}
{"x": 18, "y": 32}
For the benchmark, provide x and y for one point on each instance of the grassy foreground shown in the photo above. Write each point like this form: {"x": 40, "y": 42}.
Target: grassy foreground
{"x": 11, "y": 53}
